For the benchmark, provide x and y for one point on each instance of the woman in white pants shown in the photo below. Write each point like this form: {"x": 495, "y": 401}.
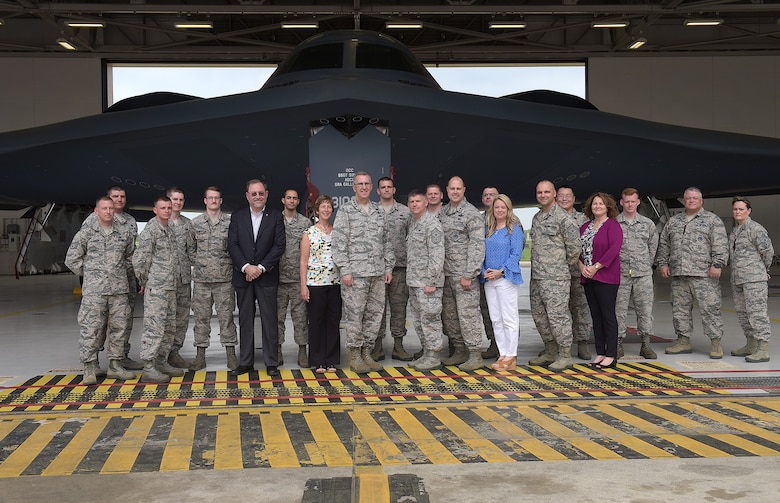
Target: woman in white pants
{"x": 502, "y": 277}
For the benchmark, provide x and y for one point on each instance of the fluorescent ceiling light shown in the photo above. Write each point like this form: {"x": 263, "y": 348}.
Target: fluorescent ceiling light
{"x": 293, "y": 24}
{"x": 703, "y": 22}
{"x": 609, "y": 24}
{"x": 636, "y": 44}
{"x": 391, "y": 24}
{"x": 194, "y": 24}
{"x": 65, "y": 44}
{"x": 2, "y": 21}
{"x": 509, "y": 25}
{"x": 85, "y": 24}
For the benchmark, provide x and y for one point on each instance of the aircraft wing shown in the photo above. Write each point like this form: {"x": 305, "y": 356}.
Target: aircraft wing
{"x": 434, "y": 135}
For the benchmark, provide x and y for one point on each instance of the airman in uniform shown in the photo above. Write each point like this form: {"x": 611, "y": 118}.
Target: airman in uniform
{"x": 181, "y": 228}
{"x": 692, "y": 250}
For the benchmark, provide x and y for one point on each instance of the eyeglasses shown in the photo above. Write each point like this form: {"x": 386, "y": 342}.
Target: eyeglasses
{"x": 258, "y": 193}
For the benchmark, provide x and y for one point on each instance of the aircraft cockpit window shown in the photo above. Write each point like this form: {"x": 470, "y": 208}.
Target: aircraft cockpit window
{"x": 386, "y": 58}
{"x": 315, "y": 58}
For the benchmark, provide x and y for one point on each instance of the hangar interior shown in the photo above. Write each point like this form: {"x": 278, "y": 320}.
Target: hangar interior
{"x": 724, "y": 76}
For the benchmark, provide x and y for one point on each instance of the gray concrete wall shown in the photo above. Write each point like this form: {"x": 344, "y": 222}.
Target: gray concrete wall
{"x": 39, "y": 91}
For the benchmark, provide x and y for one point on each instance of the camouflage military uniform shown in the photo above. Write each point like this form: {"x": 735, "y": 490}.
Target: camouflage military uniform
{"x": 581, "y": 322}
{"x": 104, "y": 259}
{"x": 289, "y": 292}
{"x": 640, "y": 242}
{"x": 464, "y": 249}
{"x": 212, "y": 272}
{"x": 751, "y": 254}
{"x": 361, "y": 249}
{"x": 555, "y": 250}
{"x": 397, "y": 293}
{"x": 181, "y": 228}
{"x": 129, "y": 226}
{"x": 425, "y": 267}
{"x": 483, "y": 307}
{"x": 156, "y": 263}
{"x": 689, "y": 248}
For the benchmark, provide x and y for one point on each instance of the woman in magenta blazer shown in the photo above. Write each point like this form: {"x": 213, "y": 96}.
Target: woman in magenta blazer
{"x": 599, "y": 264}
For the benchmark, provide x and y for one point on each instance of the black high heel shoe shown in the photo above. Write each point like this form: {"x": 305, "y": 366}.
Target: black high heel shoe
{"x": 596, "y": 361}
{"x": 610, "y": 365}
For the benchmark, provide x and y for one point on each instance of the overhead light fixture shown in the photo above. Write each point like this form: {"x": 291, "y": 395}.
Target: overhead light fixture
{"x": 194, "y": 25}
{"x": 609, "y": 24}
{"x": 66, "y": 44}
{"x": 2, "y": 21}
{"x": 297, "y": 24}
{"x": 703, "y": 22}
{"x": 85, "y": 24}
{"x": 507, "y": 25}
{"x": 399, "y": 25}
{"x": 636, "y": 44}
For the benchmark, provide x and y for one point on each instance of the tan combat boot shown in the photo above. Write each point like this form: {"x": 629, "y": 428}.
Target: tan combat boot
{"x": 232, "y": 361}
{"x": 583, "y": 353}
{"x": 563, "y": 361}
{"x": 549, "y": 355}
{"x": 355, "y": 361}
{"x": 378, "y": 351}
{"x": 303, "y": 357}
{"x": 175, "y": 360}
{"x": 716, "y": 350}
{"x": 151, "y": 374}
{"x": 646, "y": 351}
{"x": 761, "y": 354}
{"x": 163, "y": 366}
{"x": 116, "y": 371}
{"x": 474, "y": 361}
{"x": 89, "y": 373}
{"x": 429, "y": 361}
{"x": 682, "y": 346}
{"x": 748, "y": 349}
{"x": 399, "y": 353}
{"x": 370, "y": 362}
{"x": 460, "y": 355}
{"x": 491, "y": 351}
{"x": 200, "y": 360}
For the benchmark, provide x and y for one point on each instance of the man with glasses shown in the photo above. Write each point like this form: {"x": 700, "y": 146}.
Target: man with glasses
{"x": 256, "y": 242}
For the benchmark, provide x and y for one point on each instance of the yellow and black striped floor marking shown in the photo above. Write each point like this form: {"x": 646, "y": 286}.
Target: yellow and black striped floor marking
{"x": 157, "y": 440}
{"x": 392, "y": 384}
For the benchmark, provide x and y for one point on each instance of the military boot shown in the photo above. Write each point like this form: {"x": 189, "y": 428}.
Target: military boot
{"x": 460, "y": 355}
{"x": 370, "y": 362}
{"x": 620, "y": 351}
{"x": 131, "y": 364}
{"x": 356, "y": 362}
{"x": 474, "y": 361}
{"x": 151, "y": 374}
{"x": 303, "y": 357}
{"x": 428, "y": 361}
{"x": 399, "y": 353}
{"x": 748, "y": 349}
{"x": 682, "y": 346}
{"x": 418, "y": 354}
{"x": 761, "y": 354}
{"x": 232, "y": 361}
{"x": 583, "y": 353}
{"x": 200, "y": 360}
{"x": 166, "y": 368}
{"x": 378, "y": 351}
{"x": 563, "y": 361}
{"x": 116, "y": 371}
{"x": 549, "y": 355}
{"x": 716, "y": 351}
{"x": 492, "y": 350}
{"x": 89, "y": 373}
{"x": 99, "y": 372}
{"x": 646, "y": 351}
{"x": 175, "y": 360}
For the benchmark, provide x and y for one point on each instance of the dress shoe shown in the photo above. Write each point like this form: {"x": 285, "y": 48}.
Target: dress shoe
{"x": 272, "y": 371}
{"x": 596, "y": 361}
{"x": 241, "y": 369}
{"x": 610, "y": 365}
{"x": 510, "y": 363}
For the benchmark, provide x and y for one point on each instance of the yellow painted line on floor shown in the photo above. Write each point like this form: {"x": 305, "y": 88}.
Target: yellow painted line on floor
{"x": 632, "y": 442}
{"x": 385, "y": 449}
{"x": 746, "y": 445}
{"x": 178, "y": 449}
{"x": 757, "y": 414}
{"x": 278, "y": 446}
{"x": 373, "y": 488}
{"x": 125, "y": 453}
{"x": 227, "y": 449}
{"x": 482, "y": 446}
{"x": 690, "y": 444}
{"x": 60, "y": 387}
{"x": 7, "y": 427}
{"x": 685, "y": 441}
{"x": 32, "y": 390}
{"x": 71, "y": 455}
{"x": 24, "y": 454}
{"x": 589, "y": 447}
{"x": 534, "y": 446}
{"x": 731, "y": 422}
{"x": 328, "y": 442}
{"x": 422, "y": 438}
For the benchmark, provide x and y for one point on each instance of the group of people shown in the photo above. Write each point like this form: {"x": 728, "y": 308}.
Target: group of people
{"x": 458, "y": 270}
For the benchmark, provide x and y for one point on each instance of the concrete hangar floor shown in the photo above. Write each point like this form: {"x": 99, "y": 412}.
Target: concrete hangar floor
{"x": 679, "y": 428}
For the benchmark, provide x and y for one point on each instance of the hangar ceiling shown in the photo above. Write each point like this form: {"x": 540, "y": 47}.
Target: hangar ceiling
{"x": 452, "y": 31}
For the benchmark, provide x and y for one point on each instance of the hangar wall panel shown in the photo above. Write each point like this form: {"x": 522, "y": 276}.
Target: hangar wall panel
{"x": 40, "y": 91}
{"x": 734, "y": 94}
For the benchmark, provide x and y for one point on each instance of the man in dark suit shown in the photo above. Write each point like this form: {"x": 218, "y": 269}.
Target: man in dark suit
{"x": 256, "y": 241}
